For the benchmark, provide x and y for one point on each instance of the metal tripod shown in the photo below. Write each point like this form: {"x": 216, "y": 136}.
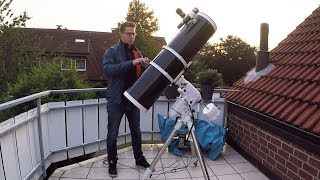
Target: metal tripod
{"x": 194, "y": 148}
{"x": 189, "y": 95}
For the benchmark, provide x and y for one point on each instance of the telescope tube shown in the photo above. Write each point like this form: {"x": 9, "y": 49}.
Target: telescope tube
{"x": 172, "y": 60}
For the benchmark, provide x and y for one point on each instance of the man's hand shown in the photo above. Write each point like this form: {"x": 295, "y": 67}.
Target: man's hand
{"x": 143, "y": 61}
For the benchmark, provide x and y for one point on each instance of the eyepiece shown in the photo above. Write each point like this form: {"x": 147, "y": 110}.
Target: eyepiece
{"x": 186, "y": 18}
{"x": 180, "y": 13}
{"x": 195, "y": 10}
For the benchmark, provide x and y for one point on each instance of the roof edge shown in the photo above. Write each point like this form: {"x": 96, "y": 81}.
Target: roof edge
{"x": 300, "y": 137}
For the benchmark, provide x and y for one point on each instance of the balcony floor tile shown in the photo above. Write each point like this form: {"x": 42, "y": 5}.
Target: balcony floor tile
{"x": 229, "y": 165}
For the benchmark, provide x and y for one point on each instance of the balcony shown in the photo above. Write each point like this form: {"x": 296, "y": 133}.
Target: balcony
{"x": 37, "y": 141}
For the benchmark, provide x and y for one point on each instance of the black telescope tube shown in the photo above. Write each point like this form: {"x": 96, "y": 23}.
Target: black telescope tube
{"x": 171, "y": 61}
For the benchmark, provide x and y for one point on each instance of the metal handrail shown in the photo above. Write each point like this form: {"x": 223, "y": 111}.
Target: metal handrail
{"x": 45, "y": 93}
{"x": 62, "y": 91}
{"x": 226, "y": 90}
{"x": 15, "y": 102}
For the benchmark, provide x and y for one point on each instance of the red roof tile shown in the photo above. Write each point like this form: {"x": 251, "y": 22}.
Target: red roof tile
{"x": 257, "y": 99}
{"x": 281, "y": 108}
{"x": 305, "y": 115}
{"x": 314, "y": 119}
{"x": 274, "y": 106}
{"x": 291, "y": 91}
{"x": 289, "y": 109}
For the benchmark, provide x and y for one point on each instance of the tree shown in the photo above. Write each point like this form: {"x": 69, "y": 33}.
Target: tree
{"x": 210, "y": 77}
{"x": 209, "y": 50}
{"x": 13, "y": 46}
{"x": 139, "y": 13}
{"x": 147, "y": 25}
{"x": 235, "y": 48}
{"x": 7, "y": 18}
{"x": 196, "y": 66}
{"x": 232, "y": 57}
{"x": 46, "y": 76}
{"x": 49, "y": 76}
{"x": 239, "y": 57}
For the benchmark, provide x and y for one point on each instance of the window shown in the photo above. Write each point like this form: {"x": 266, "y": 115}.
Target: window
{"x": 66, "y": 64}
{"x": 80, "y": 64}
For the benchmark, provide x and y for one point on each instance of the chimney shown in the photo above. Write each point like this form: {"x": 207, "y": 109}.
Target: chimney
{"x": 59, "y": 26}
{"x": 262, "y": 60}
{"x": 263, "y": 66}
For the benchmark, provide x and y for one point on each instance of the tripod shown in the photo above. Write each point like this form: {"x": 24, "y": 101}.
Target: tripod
{"x": 189, "y": 95}
{"x": 194, "y": 147}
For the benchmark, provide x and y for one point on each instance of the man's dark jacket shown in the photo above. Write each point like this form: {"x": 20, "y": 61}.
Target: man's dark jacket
{"x": 115, "y": 66}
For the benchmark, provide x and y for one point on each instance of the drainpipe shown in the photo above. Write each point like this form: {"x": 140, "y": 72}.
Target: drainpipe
{"x": 262, "y": 59}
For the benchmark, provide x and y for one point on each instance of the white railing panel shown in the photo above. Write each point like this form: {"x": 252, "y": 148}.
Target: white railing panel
{"x": 196, "y": 107}
{"x": 160, "y": 107}
{"x": 45, "y": 129}
{"x": 1, "y": 165}
{"x": 103, "y": 123}
{"x": 146, "y": 124}
{"x": 200, "y": 113}
{"x": 34, "y": 137}
{"x": 45, "y": 133}
{"x": 220, "y": 103}
{"x": 90, "y": 122}
{"x": 23, "y": 145}
{"x": 34, "y": 140}
{"x": 171, "y": 102}
{"x": 9, "y": 153}
{"x": 74, "y": 128}
{"x": 57, "y": 131}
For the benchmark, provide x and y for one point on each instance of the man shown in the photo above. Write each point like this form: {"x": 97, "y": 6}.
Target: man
{"x": 121, "y": 63}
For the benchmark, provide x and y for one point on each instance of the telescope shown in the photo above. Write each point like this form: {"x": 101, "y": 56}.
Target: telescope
{"x": 168, "y": 68}
{"x": 169, "y": 65}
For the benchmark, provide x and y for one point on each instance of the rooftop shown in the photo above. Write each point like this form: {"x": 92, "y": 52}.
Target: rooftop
{"x": 291, "y": 91}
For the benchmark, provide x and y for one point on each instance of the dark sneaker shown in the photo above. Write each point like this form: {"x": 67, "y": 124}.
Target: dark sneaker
{"x": 142, "y": 162}
{"x": 113, "y": 169}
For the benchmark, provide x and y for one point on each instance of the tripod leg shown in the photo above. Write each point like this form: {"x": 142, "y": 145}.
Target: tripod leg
{"x": 149, "y": 170}
{"x": 203, "y": 168}
{"x": 193, "y": 151}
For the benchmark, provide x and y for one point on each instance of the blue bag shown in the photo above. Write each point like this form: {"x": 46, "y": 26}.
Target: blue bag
{"x": 211, "y": 137}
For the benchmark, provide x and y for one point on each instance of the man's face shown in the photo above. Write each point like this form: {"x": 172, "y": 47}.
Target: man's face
{"x": 128, "y": 35}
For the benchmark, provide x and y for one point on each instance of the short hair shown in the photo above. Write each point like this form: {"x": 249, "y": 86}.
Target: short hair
{"x": 127, "y": 24}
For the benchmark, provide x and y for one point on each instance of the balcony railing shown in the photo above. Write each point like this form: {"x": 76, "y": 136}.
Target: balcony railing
{"x": 30, "y": 142}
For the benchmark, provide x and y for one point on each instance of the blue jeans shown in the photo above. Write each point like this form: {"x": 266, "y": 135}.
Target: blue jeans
{"x": 115, "y": 113}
